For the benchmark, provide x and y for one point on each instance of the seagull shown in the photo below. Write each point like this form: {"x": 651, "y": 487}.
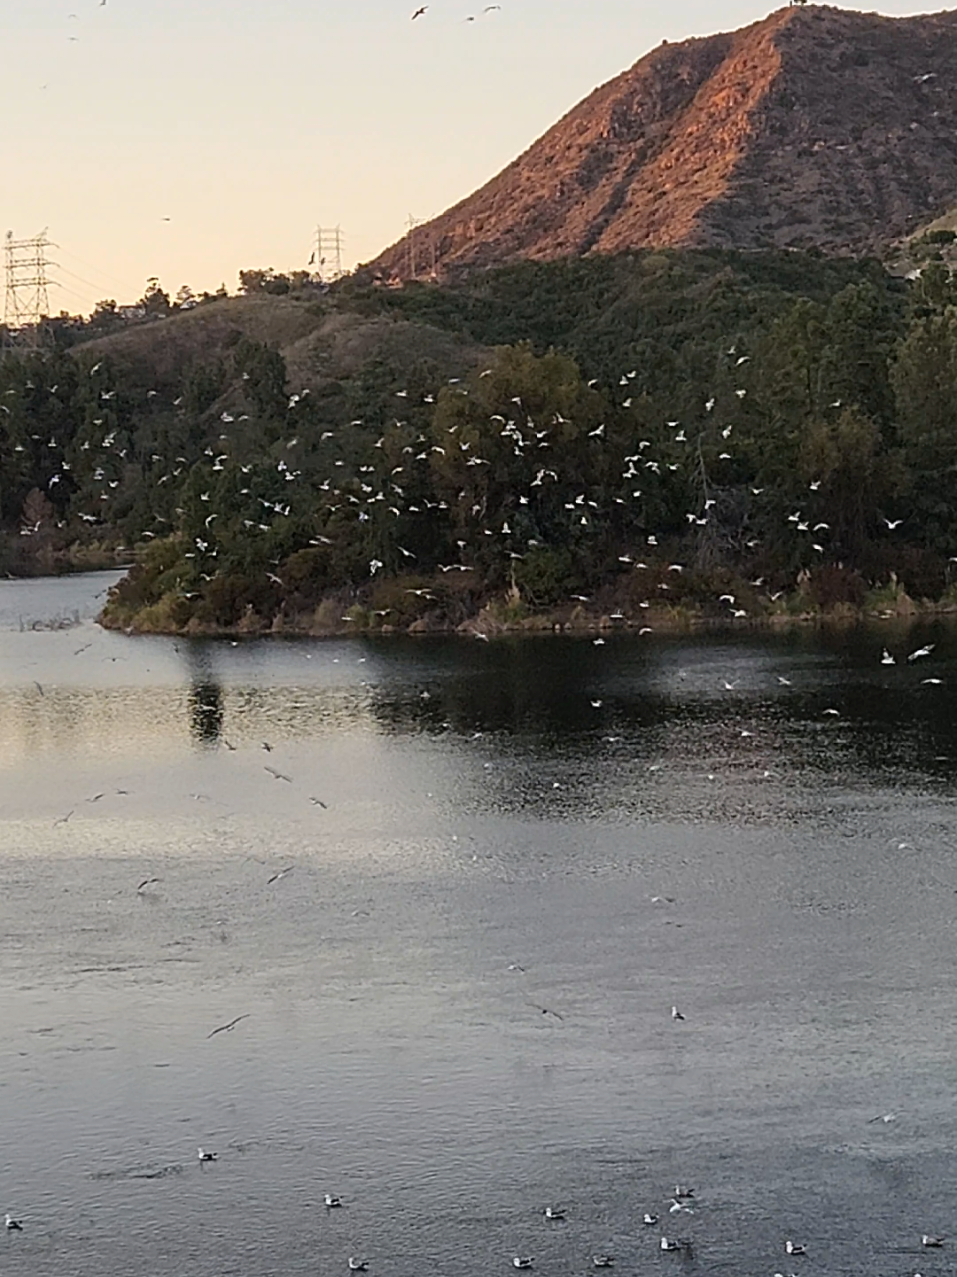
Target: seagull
{"x": 331, "y": 1200}
{"x": 676, "y": 1015}
{"x": 204, "y": 1155}
{"x": 667, "y": 1243}
{"x": 545, "y": 1011}
{"x": 357, "y": 1265}
{"x": 922, "y": 652}
{"x": 522, "y": 1261}
{"x": 228, "y": 1028}
{"x": 887, "y": 659}
{"x": 418, "y": 14}
{"x": 147, "y": 882}
{"x": 12, "y": 1225}
{"x": 677, "y": 1207}
{"x": 278, "y": 775}
{"x": 603, "y": 1261}
{"x": 649, "y": 1220}
{"x": 552, "y": 1212}
{"x": 281, "y": 874}
{"x": 926, "y": 1240}
{"x": 683, "y": 1192}
{"x": 793, "y": 1248}
{"x": 893, "y": 523}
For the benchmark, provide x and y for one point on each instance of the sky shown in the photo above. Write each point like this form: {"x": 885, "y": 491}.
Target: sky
{"x": 248, "y": 123}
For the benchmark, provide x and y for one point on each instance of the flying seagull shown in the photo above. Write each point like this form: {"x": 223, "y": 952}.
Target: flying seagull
{"x": 423, "y": 9}
{"x": 228, "y": 1028}
{"x": 147, "y": 882}
{"x": 546, "y": 1011}
{"x": 281, "y": 874}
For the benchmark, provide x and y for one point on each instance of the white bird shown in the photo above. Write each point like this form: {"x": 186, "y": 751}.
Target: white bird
{"x": 603, "y": 1261}
{"x": 668, "y": 1243}
{"x": 12, "y": 1225}
{"x": 887, "y": 659}
{"x": 926, "y": 1240}
{"x": 676, "y": 1015}
{"x": 331, "y": 1200}
{"x": 893, "y": 523}
{"x": 683, "y": 1192}
{"x": 522, "y": 1261}
{"x": 793, "y": 1248}
{"x": 922, "y": 652}
{"x": 552, "y": 1212}
{"x": 357, "y": 1265}
{"x": 204, "y": 1155}
{"x": 649, "y": 1220}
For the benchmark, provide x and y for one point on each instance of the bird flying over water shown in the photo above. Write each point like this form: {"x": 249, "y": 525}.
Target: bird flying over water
{"x": 228, "y": 1028}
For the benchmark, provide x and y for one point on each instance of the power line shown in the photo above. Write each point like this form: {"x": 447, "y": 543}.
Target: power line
{"x": 327, "y": 253}
{"x": 27, "y": 300}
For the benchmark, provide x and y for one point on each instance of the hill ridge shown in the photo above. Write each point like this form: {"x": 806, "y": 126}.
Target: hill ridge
{"x": 814, "y": 127}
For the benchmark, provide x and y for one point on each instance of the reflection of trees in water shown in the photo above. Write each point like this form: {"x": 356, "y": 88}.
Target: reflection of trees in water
{"x": 206, "y": 712}
{"x": 205, "y": 696}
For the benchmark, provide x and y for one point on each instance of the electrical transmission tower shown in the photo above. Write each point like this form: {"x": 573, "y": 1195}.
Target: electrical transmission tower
{"x": 27, "y": 300}
{"x": 327, "y": 254}
{"x": 421, "y": 257}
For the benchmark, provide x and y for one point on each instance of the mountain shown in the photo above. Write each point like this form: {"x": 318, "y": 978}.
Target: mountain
{"x": 814, "y": 128}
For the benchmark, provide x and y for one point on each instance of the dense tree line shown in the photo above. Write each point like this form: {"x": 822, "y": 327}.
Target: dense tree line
{"x": 654, "y": 427}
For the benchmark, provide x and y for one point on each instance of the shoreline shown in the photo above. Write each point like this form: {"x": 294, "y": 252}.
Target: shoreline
{"x": 485, "y": 625}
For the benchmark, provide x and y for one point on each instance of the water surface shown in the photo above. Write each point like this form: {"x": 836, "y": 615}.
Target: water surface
{"x": 505, "y": 862}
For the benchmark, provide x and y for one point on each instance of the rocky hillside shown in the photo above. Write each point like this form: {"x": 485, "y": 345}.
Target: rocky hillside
{"x": 817, "y": 127}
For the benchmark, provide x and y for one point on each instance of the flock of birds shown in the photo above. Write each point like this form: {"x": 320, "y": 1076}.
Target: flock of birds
{"x": 423, "y": 9}
{"x": 379, "y": 488}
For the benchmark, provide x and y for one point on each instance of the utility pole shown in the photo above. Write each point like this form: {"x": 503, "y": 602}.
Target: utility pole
{"x": 413, "y": 224}
{"x": 327, "y": 253}
{"x": 27, "y": 301}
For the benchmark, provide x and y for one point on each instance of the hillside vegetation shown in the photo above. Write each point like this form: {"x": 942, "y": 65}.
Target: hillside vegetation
{"x": 620, "y": 435}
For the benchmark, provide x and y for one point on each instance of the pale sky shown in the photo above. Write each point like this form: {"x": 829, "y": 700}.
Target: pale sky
{"x": 249, "y": 122}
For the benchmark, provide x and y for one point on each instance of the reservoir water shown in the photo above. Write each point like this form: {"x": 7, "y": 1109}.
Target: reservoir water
{"x": 454, "y": 889}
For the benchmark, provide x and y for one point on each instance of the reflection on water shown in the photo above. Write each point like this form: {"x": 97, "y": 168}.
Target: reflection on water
{"x": 391, "y": 856}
